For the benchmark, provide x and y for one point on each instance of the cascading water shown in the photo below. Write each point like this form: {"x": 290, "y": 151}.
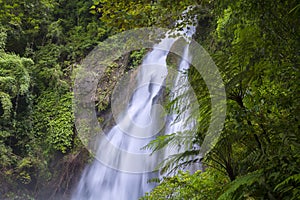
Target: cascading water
{"x": 102, "y": 182}
{"x": 179, "y": 122}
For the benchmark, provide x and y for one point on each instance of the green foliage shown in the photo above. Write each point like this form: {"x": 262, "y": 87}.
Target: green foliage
{"x": 6, "y": 104}
{"x": 54, "y": 121}
{"x": 25, "y": 22}
{"x": 14, "y": 76}
{"x": 125, "y": 15}
{"x": 200, "y": 185}
{"x": 256, "y": 47}
{"x": 14, "y": 80}
{"x": 3, "y": 36}
{"x": 290, "y": 187}
{"x": 234, "y": 190}
{"x": 255, "y": 44}
{"x": 16, "y": 147}
{"x": 136, "y": 58}
{"x": 36, "y": 118}
{"x": 261, "y": 113}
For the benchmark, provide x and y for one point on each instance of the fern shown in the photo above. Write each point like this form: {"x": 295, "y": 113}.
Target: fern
{"x": 159, "y": 143}
{"x": 176, "y": 161}
{"x": 235, "y": 188}
{"x": 290, "y": 184}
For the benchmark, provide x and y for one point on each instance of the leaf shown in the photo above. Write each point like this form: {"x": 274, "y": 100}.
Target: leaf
{"x": 290, "y": 183}
{"x": 234, "y": 189}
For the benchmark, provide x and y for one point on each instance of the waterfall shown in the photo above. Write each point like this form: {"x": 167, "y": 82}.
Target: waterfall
{"x": 99, "y": 181}
{"x": 179, "y": 121}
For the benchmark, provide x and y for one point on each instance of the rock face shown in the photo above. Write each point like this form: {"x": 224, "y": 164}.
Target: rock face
{"x": 105, "y": 88}
{"x": 122, "y": 72}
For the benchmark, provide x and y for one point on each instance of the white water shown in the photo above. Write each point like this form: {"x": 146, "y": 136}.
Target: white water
{"x": 179, "y": 121}
{"x": 102, "y": 182}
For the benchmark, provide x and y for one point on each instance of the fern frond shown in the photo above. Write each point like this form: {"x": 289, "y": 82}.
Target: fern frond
{"x": 159, "y": 143}
{"x": 235, "y": 190}
{"x": 290, "y": 183}
{"x": 176, "y": 161}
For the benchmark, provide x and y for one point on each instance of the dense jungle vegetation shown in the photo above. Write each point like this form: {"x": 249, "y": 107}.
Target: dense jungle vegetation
{"x": 254, "y": 43}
